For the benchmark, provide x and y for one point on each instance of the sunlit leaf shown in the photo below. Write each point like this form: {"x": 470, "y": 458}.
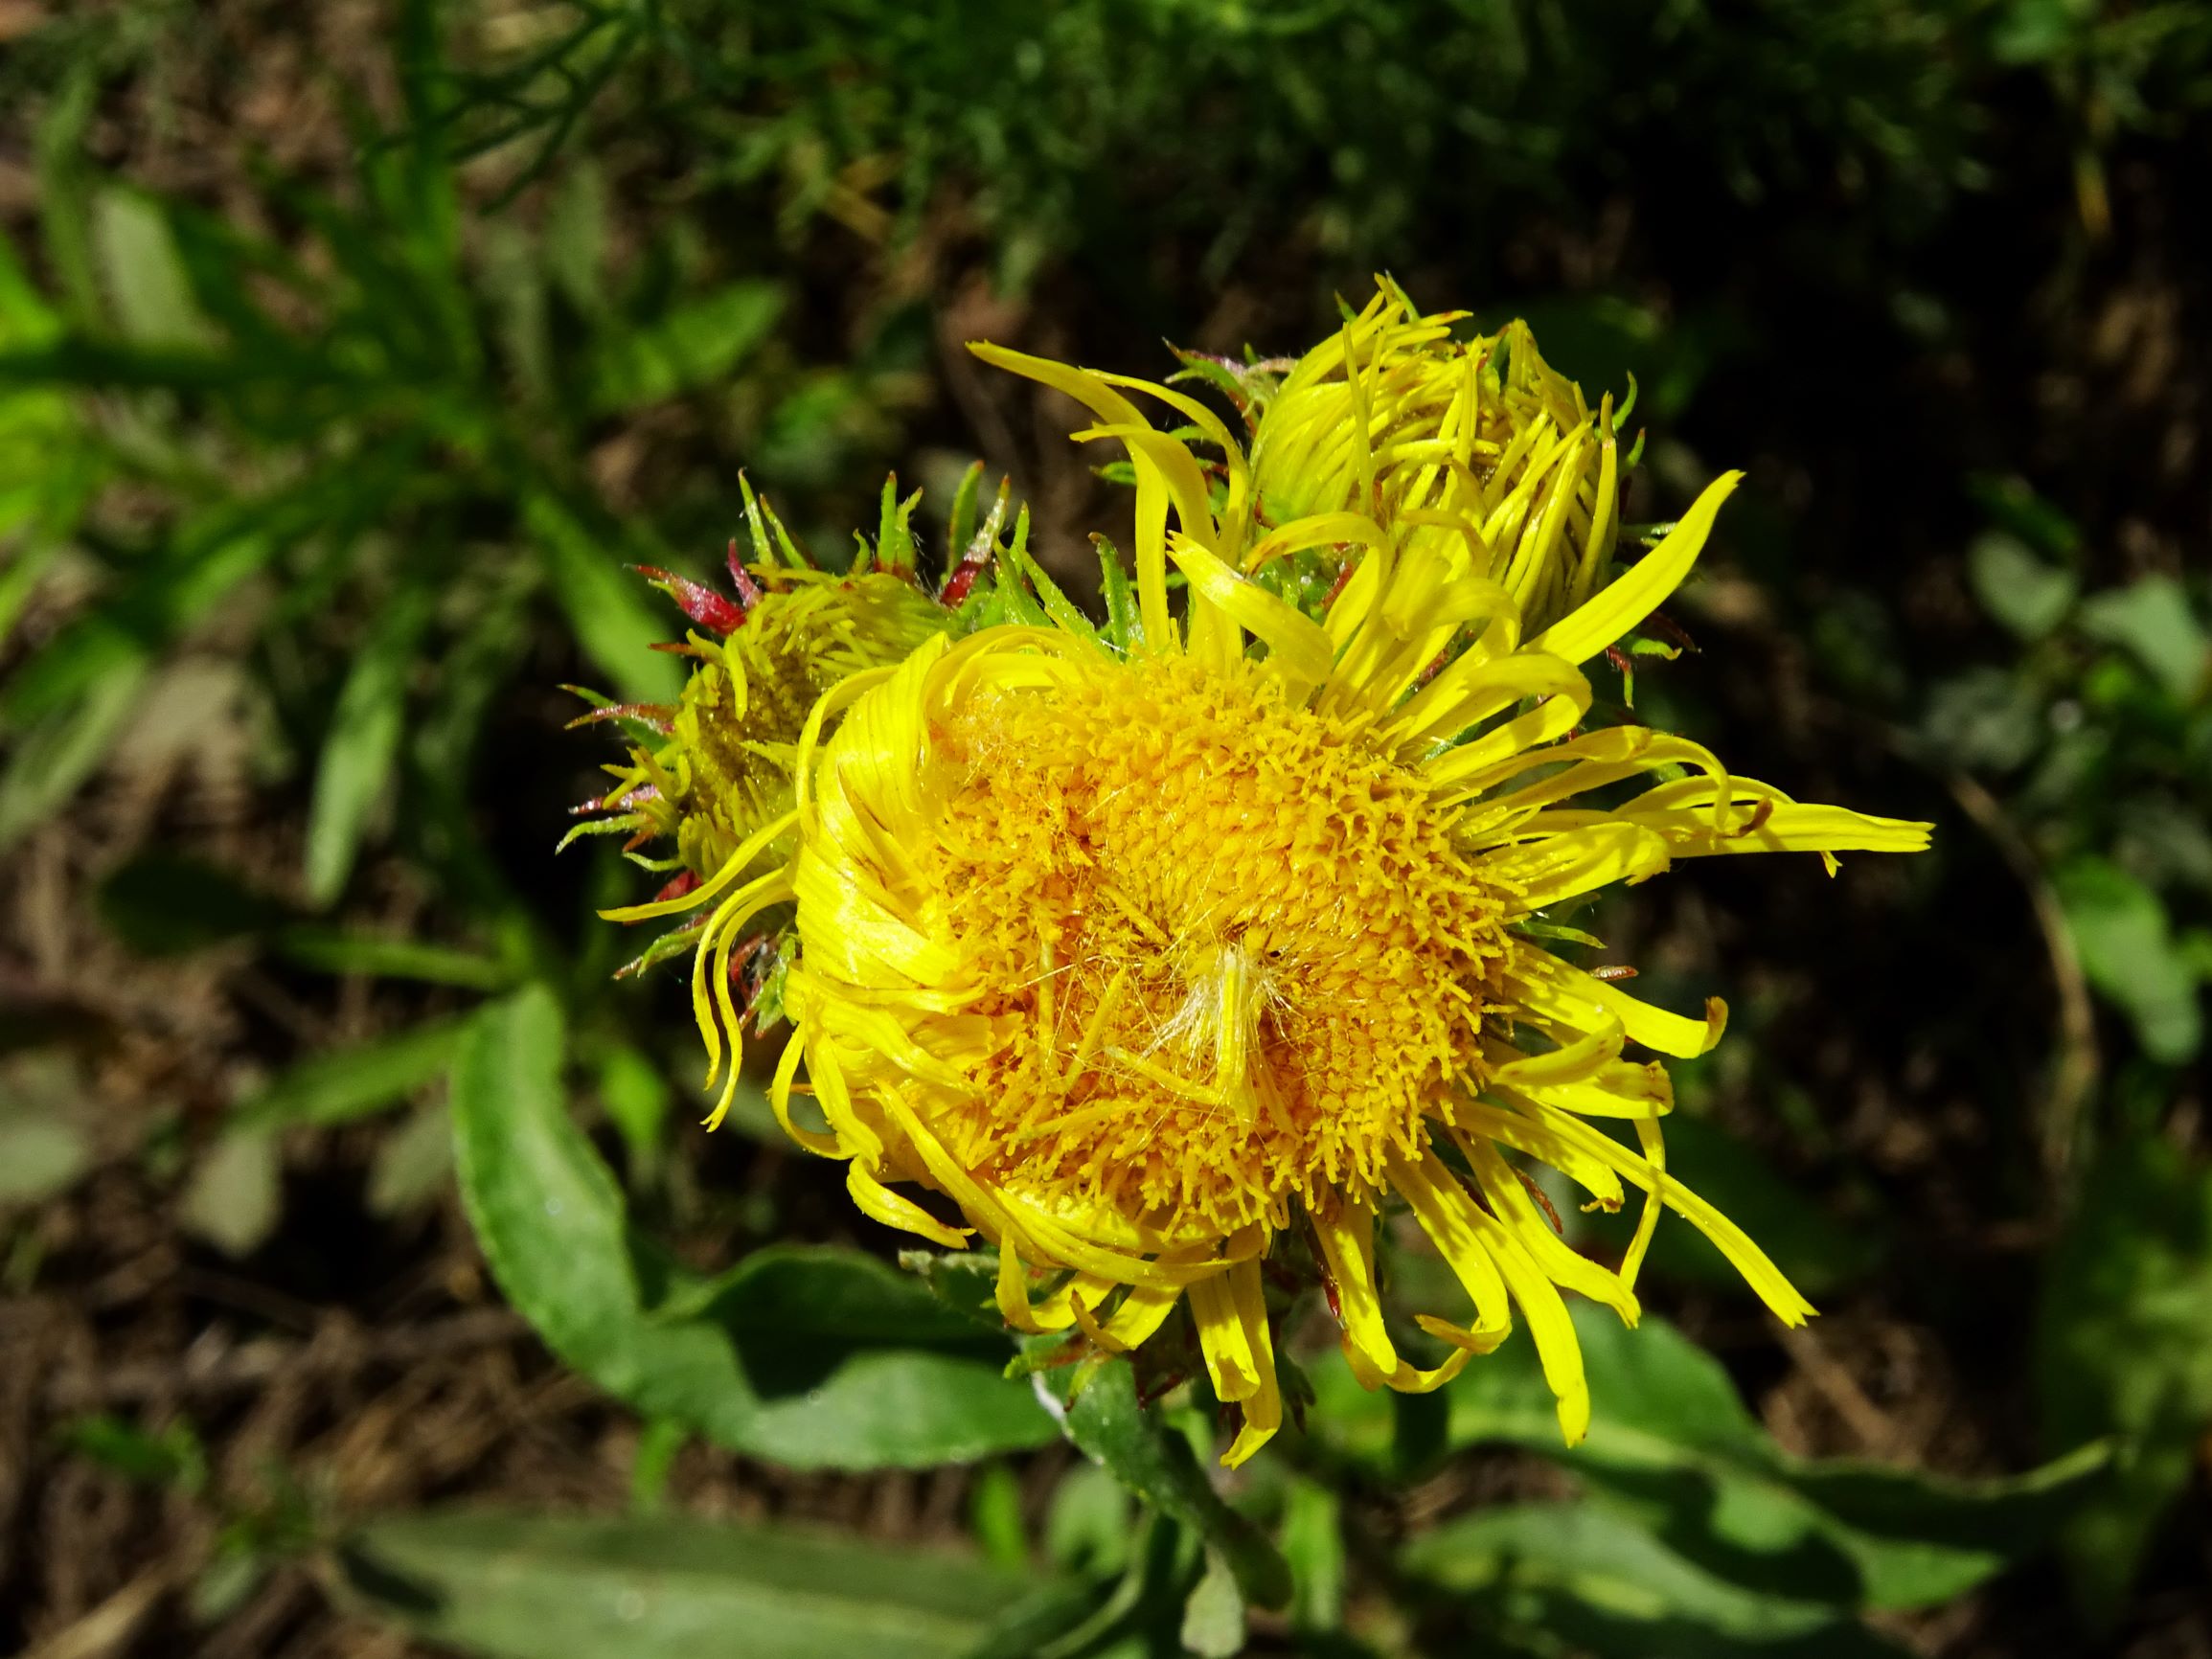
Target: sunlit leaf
{"x": 814, "y": 1358}
{"x": 994, "y": 1516}
{"x": 48, "y": 465}
{"x": 1087, "y": 1528}
{"x": 1593, "y": 1577}
{"x": 1671, "y": 1444}
{"x": 560, "y": 1588}
{"x": 637, "y": 1101}
{"x": 1313, "y": 1545}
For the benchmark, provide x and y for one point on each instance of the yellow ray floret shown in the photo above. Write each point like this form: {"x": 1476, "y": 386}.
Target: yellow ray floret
{"x": 1473, "y": 451}
{"x": 1144, "y": 958}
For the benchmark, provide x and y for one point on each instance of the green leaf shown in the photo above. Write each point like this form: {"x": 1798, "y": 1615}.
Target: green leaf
{"x": 412, "y": 1164}
{"x": 895, "y": 546}
{"x": 637, "y": 1101}
{"x": 1672, "y": 1443}
{"x": 1122, "y": 626}
{"x": 234, "y": 1198}
{"x": 1057, "y": 604}
{"x": 2019, "y": 590}
{"x": 811, "y": 1357}
{"x": 173, "y": 1457}
{"x": 1106, "y": 1421}
{"x": 560, "y": 1588}
{"x": 47, "y": 466}
{"x": 1214, "y": 1616}
{"x": 2013, "y": 507}
{"x": 183, "y": 579}
{"x": 696, "y": 343}
{"x": 2129, "y": 952}
{"x": 1594, "y": 1578}
{"x": 148, "y": 288}
{"x": 362, "y": 746}
{"x": 60, "y": 752}
{"x": 80, "y": 678}
{"x": 959, "y": 527}
{"x": 47, "y": 1118}
{"x": 223, "y": 1587}
{"x": 1985, "y": 718}
{"x": 576, "y": 236}
{"x": 41, "y": 1153}
{"x": 608, "y": 606}
{"x": 1087, "y": 1528}
{"x": 2151, "y": 620}
{"x": 489, "y": 650}
{"x": 426, "y": 200}
{"x": 1313, "y": 1544}
{"x": 65, "y": 187}
{"x": 335, "y": 950}
{"x": 994, "y": 1516}
{"x": 337, "y": 1088}
{"x": 2195, "y": 949}
{"x": 2123, "y": 1347}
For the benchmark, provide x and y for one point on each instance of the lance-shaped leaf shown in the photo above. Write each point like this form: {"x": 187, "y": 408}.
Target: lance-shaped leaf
{"x": 814, "y": 1359}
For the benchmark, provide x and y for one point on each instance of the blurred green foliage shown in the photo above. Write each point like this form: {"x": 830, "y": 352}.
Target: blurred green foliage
{"x": 2125, "y": 1349}
{"x": 2098, "y": 734}
{"x": 358, "y": 441}
{"x": 1095, "y": 132}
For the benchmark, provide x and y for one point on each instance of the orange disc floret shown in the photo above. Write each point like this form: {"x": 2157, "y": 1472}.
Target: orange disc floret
{"x": 1241, "y": 952}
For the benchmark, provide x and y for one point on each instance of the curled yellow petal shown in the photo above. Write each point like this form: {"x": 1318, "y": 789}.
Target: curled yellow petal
{"x": 1297, "y": 649}
{"x": 879, "y": 1203}
{"x": 1549, "y": 986}
{"x": 1346, "y": 1232}
{"x": 1587, "y": 630}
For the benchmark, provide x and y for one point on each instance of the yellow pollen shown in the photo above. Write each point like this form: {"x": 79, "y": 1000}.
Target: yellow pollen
{"x": 1241, "y": 953}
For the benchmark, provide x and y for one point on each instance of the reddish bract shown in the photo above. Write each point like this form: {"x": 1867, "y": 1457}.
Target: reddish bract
{"x": 677, "y": 887}
{"x": 748, "y": 591}
{"x": 699, "y": 602}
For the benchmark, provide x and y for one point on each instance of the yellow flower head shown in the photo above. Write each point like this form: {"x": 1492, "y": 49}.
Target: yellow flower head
{"x": 716, "y": 777}
{"x": 726, "y": 770}
{"x": 1472, "y": 449}
{"x": 1145, "y": 949}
